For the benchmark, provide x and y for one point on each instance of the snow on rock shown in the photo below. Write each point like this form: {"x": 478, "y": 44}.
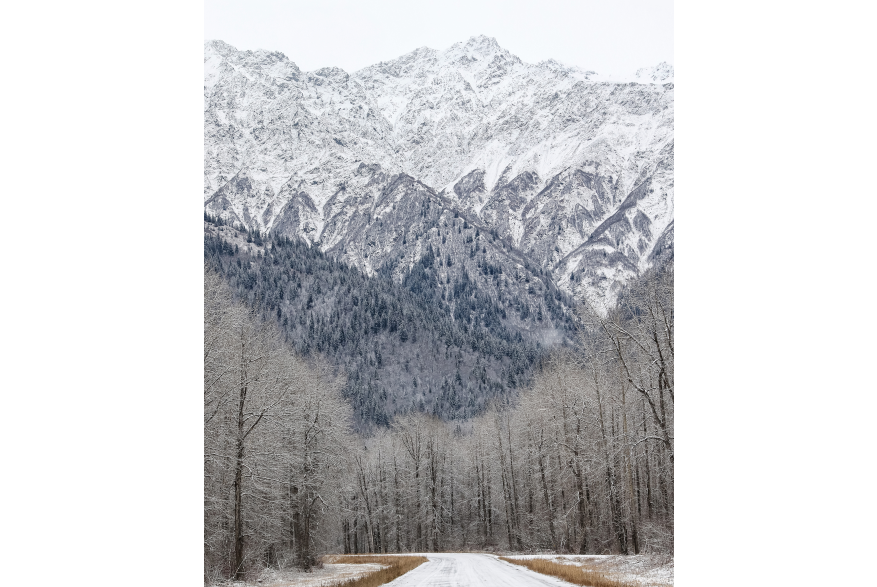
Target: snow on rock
{"x": 545, "y": 154}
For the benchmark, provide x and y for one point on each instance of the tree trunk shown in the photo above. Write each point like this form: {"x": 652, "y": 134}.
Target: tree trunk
{"x": 649, "y": 498}
{"x": 614, "y": 502}
{"x": 627, "y": 466}
{"x": 489, "y": 516}
{"x": 508, "y": 514}
{"x": 238, "y": 562}
{"x": 417, "y": 507}
{"x": 306, "y": 556}
{"x": 584, "y": 507}
{"x": 356, "y": 534}
{"x": 548, "y": 505}
{"x": 397, "y": 498}
{"x": 514, "y": 490}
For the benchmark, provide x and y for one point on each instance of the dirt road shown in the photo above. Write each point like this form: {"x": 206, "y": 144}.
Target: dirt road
{"x": 472, "y": 570}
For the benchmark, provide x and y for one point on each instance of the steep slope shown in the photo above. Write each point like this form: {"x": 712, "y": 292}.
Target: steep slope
{"x": 572, "y": 173}
{"x": 410, "y": 346}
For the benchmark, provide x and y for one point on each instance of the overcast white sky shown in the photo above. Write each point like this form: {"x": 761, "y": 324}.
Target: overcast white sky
{"x": 607, "y": 36}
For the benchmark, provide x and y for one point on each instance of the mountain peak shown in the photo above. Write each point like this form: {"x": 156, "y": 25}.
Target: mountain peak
{"x": 660, "y": 73}
{"x": 334, "y": 73}
{"x": 547, "y": 155}
{"x": 218, "y": 46}
{"x": 482, "y": 41}
{"x": 479, "y": 46}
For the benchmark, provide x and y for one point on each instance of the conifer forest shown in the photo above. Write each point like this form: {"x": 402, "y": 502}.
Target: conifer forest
{"x": 352, "y": 414}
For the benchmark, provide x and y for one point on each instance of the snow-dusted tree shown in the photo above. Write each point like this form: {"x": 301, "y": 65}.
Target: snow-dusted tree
{"x": 582, "y": 461}
{"x": 274, "y": 434}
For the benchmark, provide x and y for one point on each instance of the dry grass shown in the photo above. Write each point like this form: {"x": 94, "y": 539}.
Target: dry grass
{"x": 395, "y": 566}
{"x": 572, "y": 573}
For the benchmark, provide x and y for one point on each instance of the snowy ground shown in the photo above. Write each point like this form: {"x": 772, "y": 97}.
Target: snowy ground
{"x": 328, "y": 575}
{"x": 482, "y": 570}
{"x": 472, "y": 570}
{"x": 647, "y": 570}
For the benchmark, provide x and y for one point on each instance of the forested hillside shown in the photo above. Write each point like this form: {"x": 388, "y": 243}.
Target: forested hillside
{"x": 438, "y": 307}
{"x": 581, "y": 461}
{"x": 429, "y": 344}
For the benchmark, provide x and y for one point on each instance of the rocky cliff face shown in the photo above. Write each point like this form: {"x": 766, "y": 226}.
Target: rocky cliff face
{"x": 530, "y": 178}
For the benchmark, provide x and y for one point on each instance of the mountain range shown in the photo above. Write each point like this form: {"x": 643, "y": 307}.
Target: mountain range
{"x": 529, "y": 179}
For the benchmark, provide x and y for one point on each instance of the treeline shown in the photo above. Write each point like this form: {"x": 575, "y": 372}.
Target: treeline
{"x": 415, "y": 346}
{"x": 582, "y": 462}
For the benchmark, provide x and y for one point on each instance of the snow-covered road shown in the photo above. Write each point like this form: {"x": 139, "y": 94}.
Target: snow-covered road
{"x": 472, "y": 570}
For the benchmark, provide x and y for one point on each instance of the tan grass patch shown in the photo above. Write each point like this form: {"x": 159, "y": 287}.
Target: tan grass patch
{"x": 394, "y": 567}
{"x": 572, "y": 573}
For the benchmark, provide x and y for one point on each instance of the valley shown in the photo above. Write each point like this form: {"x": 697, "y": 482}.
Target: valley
{"x": 439, "y": 310}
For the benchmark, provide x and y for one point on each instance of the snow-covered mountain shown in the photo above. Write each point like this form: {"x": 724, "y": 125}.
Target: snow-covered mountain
{"x": 570, "y": 173}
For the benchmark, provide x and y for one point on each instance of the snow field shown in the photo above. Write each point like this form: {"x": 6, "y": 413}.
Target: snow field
{"x": 478, "y": 570}
{"x": 330, "y": 574}
{"x": 643, "y": 569}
